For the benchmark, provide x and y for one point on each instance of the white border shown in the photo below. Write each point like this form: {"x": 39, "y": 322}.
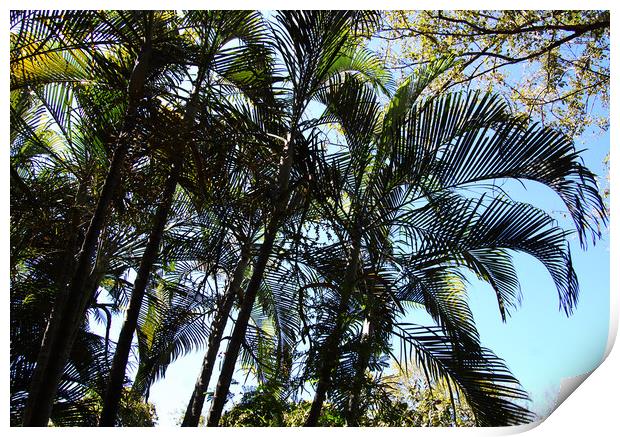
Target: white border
{"x": 591, "y": 409}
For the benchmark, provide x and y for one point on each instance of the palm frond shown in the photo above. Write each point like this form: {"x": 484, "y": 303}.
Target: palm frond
{"x": 490, "y": 389}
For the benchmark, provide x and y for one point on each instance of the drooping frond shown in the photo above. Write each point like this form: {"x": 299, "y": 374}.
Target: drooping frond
{"x": 490, "y": 389}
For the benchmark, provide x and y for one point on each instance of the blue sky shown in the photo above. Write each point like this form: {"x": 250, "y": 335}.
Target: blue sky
{"x": 540, "y": 344}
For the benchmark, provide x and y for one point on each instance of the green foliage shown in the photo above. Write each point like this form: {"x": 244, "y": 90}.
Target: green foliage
{"x": 553, "y": 64}
{"x": 330, "y": 416}
{"x": 351, "y": 214}
{"x": 133, "y": 411}
{"x": 261, "y": 407}
{"x": 258, "y": 408}
{"x": 412, "y": 400}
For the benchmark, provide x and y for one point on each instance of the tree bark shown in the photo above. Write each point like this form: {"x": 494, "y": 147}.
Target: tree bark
{"x": 66, "y": 317}
{"x": 194, "y": 407}
{"x": 320, "y": 394}
{"x": 114, "y": 388}
{"x": 241, "y": 324}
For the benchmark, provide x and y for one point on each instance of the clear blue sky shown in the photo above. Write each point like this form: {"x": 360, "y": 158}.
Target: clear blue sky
{"x": 539, "y": 342}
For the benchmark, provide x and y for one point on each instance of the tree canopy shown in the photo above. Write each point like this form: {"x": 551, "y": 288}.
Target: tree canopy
{"x": 265, "y": 190}
{"x": 554, "y": 65}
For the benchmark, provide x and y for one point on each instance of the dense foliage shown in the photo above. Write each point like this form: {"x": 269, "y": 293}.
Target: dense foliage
{"x": 406, "y": 399}
{"x": 224, "y": 180}
{"x": 262, "y": 408}
{"x": 132, "y": 411}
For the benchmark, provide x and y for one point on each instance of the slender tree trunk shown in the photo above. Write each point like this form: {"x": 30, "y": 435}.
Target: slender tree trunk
{"x": 68, "y": 263}
{"x": 331, "y": 353}
{"x": 66, "y": 316}
{"x": 194, "y": 408}
{"x": 114, "y": 388}
{"x": 353, "y": 408}
{"x": 330, "y": 361}
{"x": 241, "y": 324}
{"x": 320, "y": 394}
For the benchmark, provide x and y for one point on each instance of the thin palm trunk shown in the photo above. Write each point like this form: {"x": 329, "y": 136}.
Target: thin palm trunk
{"x": 194, "y": 408}
{"x": 114, "y": 388}
{"x": 66, "y": 316}
{"x": 353, "y": 412}
{"x": 320, "y": 394}
{"x": 330, "y": 351}
{"x": 241, "y": 324}
{"x": 68, "y": 263}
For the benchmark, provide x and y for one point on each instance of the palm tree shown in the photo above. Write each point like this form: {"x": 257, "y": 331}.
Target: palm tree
{"x": 403, "y": 174}
{"x": 312, "y": 47}
{"x": 57, "y": 39}
{"x": 194, "y": 408}
{"x": 214, "y": 62}
{"x": 56, "y": 159}
{"x": 249, "y": 171}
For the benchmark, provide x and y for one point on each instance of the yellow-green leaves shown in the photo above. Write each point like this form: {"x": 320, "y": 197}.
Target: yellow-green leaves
{"x": 38, "y": 63}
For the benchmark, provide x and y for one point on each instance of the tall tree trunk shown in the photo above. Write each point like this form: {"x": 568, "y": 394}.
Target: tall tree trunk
{"x": 67, "y": 263}
{"x": 320, "y": 394}
{"x": 353, "y": 408}
{"x": 194, "y": 408}
{"x": 114, "y": 388}
{"x": 331, "y": 352}
{"x": 67, "y": 315}
{"x": 241, "y": 324}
